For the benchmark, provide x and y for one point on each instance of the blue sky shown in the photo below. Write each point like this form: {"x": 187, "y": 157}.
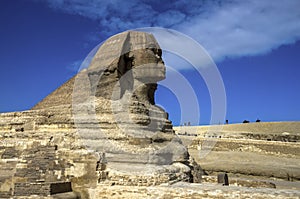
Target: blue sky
{"x": 255, "y": 45}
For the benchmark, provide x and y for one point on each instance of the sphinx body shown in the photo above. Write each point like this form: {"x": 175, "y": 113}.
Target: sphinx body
{"x": 100, "y": 127}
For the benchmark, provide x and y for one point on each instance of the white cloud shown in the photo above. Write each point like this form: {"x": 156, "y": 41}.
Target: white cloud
{"x": 225, "y": 28}
{"x": 246, "y": 28}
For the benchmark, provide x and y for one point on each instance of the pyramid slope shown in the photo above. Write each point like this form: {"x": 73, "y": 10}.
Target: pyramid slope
{"x": 105, "y": 55}
{"x": 61, "y": 96}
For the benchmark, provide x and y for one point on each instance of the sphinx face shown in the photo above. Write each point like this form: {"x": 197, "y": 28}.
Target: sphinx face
{"x": 148, "y": 66}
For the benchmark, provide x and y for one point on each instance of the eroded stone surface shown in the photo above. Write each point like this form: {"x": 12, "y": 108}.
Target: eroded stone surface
{"x": 106, "y": 110}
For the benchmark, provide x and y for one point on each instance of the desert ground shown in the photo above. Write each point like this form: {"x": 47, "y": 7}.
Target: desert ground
{"x": 263, "y": 154}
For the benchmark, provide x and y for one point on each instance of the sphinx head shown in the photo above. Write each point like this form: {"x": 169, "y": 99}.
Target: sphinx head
{"x": 129, "y": 62}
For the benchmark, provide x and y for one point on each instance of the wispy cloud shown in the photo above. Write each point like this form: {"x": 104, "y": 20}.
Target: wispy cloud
{"x": 225, "y": 28}
{"x": 246, "y": 27}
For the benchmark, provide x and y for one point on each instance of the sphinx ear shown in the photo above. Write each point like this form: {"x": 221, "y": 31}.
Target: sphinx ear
{"x": 125, "y": 63}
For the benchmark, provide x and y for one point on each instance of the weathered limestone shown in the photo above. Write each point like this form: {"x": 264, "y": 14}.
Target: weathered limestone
{"x": 125, "y": 123}
{"x": 100, "y": 127}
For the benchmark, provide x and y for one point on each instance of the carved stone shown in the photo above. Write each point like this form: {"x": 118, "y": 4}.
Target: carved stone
{"x": 108, "y": 108}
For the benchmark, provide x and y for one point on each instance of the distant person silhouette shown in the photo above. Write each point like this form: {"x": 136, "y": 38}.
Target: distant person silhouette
{"x": 223, "y": 179}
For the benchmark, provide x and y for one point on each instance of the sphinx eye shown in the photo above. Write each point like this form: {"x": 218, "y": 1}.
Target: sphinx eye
{"x": 157, "y": 52}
